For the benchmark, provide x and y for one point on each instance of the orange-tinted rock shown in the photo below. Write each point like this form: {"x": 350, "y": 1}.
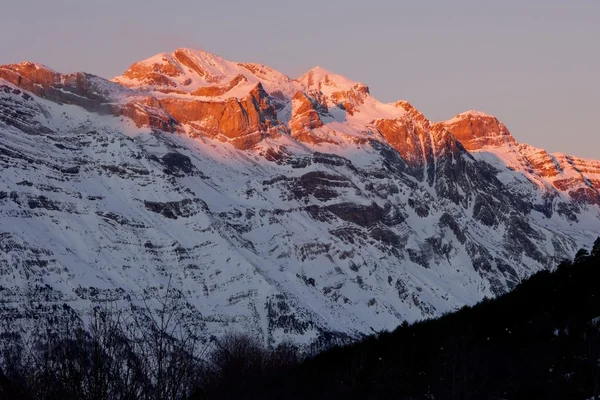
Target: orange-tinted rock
{"x": 409, "y": 134}
{"x": 161, "y": 71}
{"x": 246, "y": 142}
{"x": 477, "y": 130}
{"x": 81, "y": 89}
{"x": 183, "y": 57}
{"x": 414, "y": 114}
{"x": 404, "y": 136}
{"x": 350, "y": 99}
{"x": 413, "y": 141}
{"x": 232, "y": 118}
{"x": 340, "y": 91}
{"x": 313, "y": 138}
{"x": 156, "y": 79}
{"x": 214, "y": 91}
{"x": 543, "y": 163}
{"x": 26, "y": 75}
{"x": 153, "y": 74}
{"x": 148, "y": 112}
{"x": 305, "y": 114}
{"x": 581, "y": 177}
{"x": 88, "y": 92}
{"x": 264, "y": 72}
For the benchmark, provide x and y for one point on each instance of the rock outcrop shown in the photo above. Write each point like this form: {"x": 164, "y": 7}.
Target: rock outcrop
{"x": 476, "y": 130}
{"x": 90, "y": 92}
{"x": 233, "y": 118}
{"x": 337, "y": 90}
{"x": 306, "y": 116}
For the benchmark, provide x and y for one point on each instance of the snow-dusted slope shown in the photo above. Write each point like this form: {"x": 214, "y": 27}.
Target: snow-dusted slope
{"x": 290, "y": 208}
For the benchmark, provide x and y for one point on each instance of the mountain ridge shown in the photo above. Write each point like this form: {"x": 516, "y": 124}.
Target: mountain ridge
{"x": 291, "y": 209}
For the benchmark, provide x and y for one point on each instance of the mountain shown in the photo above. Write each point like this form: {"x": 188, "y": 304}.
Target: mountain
{"x": 290, "y": 208}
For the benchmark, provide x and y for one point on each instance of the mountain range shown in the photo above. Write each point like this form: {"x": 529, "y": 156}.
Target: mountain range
{"x": 290, "y": 208}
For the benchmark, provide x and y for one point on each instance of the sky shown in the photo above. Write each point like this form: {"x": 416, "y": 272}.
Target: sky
{"x": 533, "y": 64}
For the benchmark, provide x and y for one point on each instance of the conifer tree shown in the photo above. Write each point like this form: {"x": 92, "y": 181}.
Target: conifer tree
{"x": 581, "y": 256}
{"x": 596, "y": 249}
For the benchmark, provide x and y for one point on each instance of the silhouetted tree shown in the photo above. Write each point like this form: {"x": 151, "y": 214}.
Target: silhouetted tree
{"x": 596, "y": 249}
{"x": 581, "y": 256}
{"x": 146, "y": 355}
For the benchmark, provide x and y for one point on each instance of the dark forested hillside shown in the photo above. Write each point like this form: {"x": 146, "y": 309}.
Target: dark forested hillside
{"x": 540, "y": 341}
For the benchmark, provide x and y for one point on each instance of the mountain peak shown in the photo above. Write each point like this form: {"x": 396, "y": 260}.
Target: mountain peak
{"x": 470, "y": 114}
{"x": 199, "y": 52}
{"x": 318, "y": 71}
{"x": 184, "y": 69}
{"x": 34, "y": 65}
{"x": 321, "y": 79}
{"x": 28, "y": 75}
{"x": 190, "y": 71}
{"x": 476, "y": 130}
{"x": 28, "y": 67}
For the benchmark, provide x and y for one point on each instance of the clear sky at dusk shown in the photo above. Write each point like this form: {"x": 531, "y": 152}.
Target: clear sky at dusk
{"x": 533, "y": 64}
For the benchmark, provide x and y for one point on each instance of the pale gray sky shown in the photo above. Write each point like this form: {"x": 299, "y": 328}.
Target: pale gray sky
{"x": 533, "y": 64}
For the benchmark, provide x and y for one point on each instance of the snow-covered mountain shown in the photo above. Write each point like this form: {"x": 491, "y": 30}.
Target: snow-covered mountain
{"x": 291, "y": 208}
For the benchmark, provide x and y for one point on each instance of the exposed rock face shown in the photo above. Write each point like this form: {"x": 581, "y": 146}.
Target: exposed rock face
{"x": 176, "y": 209}
{"x": 147, "y": 112}
{"x": 476, "y": 130}
{"x": 155, "y": 75}
{"x": 87, "y": 91}
{"x": 306, "y": 116}
{"x": 80, "y": 89}
{"x": 234, "y": 118}
{"x": 411, "y": 140}
{"x": 297, "y": 209}
{"x": 166, "y": 67}
{"x": 351, "y": 99}
{"x": 214, "y": 91}
{"x": 184, "y": 57}
{"x": 30, "y": 76}
{"x": 577, "y": 176}
{"x": 185, "y": 71}
{"x": 338, "y": 91}
{"x": 480, "y": 133}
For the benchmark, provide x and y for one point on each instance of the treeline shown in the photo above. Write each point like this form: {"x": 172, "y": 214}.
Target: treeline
{"x": 152, "y": 353}
{"x": 540, "y": 341}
